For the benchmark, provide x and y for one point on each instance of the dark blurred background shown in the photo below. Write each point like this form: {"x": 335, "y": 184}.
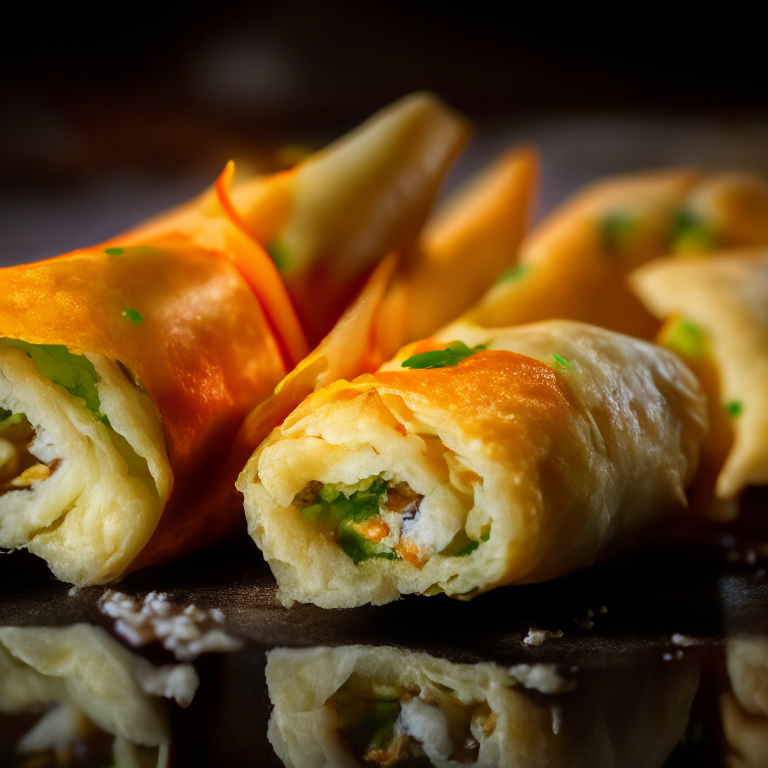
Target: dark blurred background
{"x": 110, "y": 113}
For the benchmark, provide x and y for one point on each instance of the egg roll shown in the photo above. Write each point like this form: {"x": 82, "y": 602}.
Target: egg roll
{"x": 125, "y": 373}
{"x": 497, "y": 456}
{"x": 716, "y": 319}
{"x": 574, "y": 264}
{"x": 77, "y": 693}
{"x": 356, "y": 705}
{"x": 329, "y": 220}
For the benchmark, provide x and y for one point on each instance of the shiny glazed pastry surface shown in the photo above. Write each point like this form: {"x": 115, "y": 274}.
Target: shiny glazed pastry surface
{"x": 180, "y": 351}
{"x": 553, "y": 445}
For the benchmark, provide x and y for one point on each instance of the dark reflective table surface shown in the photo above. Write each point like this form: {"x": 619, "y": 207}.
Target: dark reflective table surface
{"x": 655, "y": 658}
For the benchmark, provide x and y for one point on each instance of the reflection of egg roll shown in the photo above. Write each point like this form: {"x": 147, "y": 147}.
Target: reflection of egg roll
{"x": 744, "y": 710}
{"x": 520, "y": 463}
{"x": 348, "y": 706}
{"x": 92, "y": 697}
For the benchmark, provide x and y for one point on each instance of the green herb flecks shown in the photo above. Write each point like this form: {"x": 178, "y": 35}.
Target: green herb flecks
{"x": 343, "y": 506}
{"x": 616, "y": 229}
{"x": 473, "y": 545}
{"x": 133, "y": 315}
{"x": 131, "y": 250}
{"x": 281, "y": 255}
{"x": 734, "y": 408}
{"x": 691, "y": 234}
{"x": 453, "y": 354}
{"x": 686, "y": 338}
{"x": 563, "y": 363}
{"x": 513, "y": 273}
{"x": 75, "y": 373}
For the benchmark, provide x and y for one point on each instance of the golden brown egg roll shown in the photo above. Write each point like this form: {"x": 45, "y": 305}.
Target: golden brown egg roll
{"x": 125, "y": 373}
{"x": 574, "y": 264}
{"x": 717, "y": 321}
{"x": 542, "y": 448}
{"x": 328, "y": 221}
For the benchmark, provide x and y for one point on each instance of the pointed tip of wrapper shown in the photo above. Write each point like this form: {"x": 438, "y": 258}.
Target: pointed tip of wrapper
{"x": 358, "y": 343}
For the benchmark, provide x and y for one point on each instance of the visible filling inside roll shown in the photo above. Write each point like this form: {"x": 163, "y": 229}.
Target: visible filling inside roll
{"x": 383, "y": 725}
{"x": 61, "y": 737}
{"x": 372, "y": 518}
{"x": 19, "y": 467}
{"x": 80, "y": 440}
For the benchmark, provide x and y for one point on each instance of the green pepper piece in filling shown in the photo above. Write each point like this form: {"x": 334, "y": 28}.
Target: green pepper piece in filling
{"x": 343, "y": 511}
{"x": 9, "y": 419}
{"x": 76, "y": 373}
{"x": 473, "y": 545}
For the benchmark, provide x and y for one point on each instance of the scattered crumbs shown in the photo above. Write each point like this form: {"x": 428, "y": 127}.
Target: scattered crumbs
{"x": 590, "y": 614}
{"x": 751, "y": 557}
{"x": 603, "y": 609}
{"x": 538, "y": 636}
{"x": 684, "y": 640}
{"x": 171, "y": 681}
{"x": 584, "y": 623}
{"x": 557, "y": 718}
{"x": 542, "y": 677}
{"x": 186, "y": 632}
{"x": 73, "y": 591}
{"x": 677, "y": 656}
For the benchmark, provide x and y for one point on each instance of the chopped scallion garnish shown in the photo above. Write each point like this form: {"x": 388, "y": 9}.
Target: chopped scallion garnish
{"x": 562, "y": 362}
{"x": 615, "y": 230}
{"x": 453, "y": 353}
{"x": 132, "y": 315}
{"x": 514, "y": 273}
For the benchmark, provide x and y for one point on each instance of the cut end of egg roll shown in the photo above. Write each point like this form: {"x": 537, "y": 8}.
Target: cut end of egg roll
{"x": 545, "y": 447}
{"x": 84, "y": 473}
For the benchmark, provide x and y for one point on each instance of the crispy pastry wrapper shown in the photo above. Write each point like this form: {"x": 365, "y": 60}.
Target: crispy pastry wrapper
{"x": 603, "y": 721}
{"x": 182, "y": 351}
{"x": 464, "y": 248}
{"x": 328, "y": 221}
{"x": 557, "y": 444}
{"x": 80, "y": 672}
{"x": 724, "y": 302}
